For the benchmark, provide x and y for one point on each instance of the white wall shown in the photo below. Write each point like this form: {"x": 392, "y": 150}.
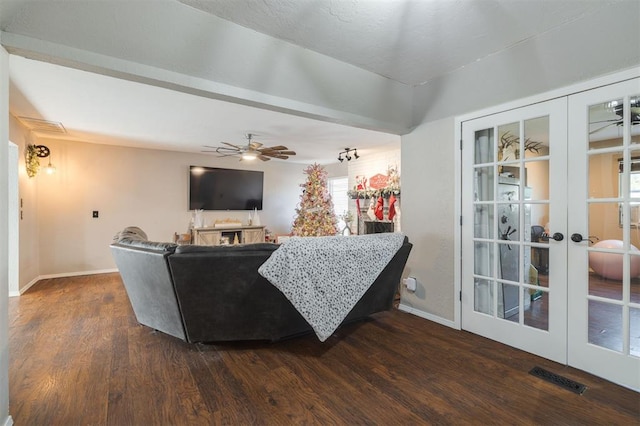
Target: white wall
{"x": 428, "y": 211}
{"x": 4, "y": 233}
{"x": 13, "y": 222}
{"x": 131, "y": 186}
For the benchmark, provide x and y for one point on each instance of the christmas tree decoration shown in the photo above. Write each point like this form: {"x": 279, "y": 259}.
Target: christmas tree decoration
{"x": 315, "y": 214}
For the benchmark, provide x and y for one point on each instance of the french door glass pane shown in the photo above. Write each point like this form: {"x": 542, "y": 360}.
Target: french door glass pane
{"x": 537, "y": 316}
{"x": 634, "y": 104}
{"x": 483, "y": 296}
{"x": 484, "y": 183}
{"x": 605, "y": 325}
{"x": 604, "y": 221}
{"x": 484, "y": 146}
{"x": 508, "y": 222}
{"x": 634, "y": 331}
{"x": 483, "y": 259}
{"x": 604, "y": 174}
{"x": 537, "y": 180}
{"x": 508, "y": 142}
{"x": 536, "y": 136}
{"x": 604, "y": 124}
{"x": 509, "y": 261}
{"x": 602, "y": 286}
{"x": 634, "y": 287}
{"x": 509, "y": 302}
{"x": 483, "y": 221}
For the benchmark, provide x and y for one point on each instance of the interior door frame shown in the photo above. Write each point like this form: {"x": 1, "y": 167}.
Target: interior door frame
{"x": 605, "y": 80}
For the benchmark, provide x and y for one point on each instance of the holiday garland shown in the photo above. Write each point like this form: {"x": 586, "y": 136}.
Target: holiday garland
{"x": 31, "y": 160}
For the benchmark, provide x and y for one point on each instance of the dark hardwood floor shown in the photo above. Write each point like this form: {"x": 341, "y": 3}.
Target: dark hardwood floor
{"x": 78, "y": 356}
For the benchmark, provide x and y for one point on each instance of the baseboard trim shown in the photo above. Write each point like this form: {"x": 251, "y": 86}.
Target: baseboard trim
{"x": 428, "y": 316}
{"x": 77, "y": 274}
{"x": 64, "y": 275}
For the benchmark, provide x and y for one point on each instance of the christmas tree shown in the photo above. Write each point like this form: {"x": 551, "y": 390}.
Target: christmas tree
{"x": 316, "y": 217}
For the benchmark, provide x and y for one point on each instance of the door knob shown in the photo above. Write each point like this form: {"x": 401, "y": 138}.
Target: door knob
{"x": 556, "y": 236}
{"x": 578, "y": 238}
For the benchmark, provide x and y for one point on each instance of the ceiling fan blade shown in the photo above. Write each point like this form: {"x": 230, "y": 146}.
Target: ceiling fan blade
{"x": 254, "y": 145}
{"x": 275, "y": 148}
{"x": 613, "y": 120}
{"x": 230, "y": 144}
{"x": 601, "y": 128}
{"x": 287, "y": 152}
{"x": 264, "y": 158}
{"x": 225, "y": 150}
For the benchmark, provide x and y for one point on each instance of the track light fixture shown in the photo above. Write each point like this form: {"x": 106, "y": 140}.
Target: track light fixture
{"x": 346, "y": 154}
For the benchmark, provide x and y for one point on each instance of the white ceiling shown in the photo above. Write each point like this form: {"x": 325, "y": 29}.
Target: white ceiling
{"x": 408, "y": 41}
{"x": 100, "y": 109}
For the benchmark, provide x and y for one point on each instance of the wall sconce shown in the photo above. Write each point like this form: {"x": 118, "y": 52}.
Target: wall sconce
{"x": 347, "y": 156}
{"x": 32, "y": 155}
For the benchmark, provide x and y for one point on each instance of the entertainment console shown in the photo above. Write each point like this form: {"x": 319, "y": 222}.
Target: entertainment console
{"x": 213, "y": 236}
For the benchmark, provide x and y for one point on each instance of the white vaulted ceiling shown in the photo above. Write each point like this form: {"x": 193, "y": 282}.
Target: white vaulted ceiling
{"x": 315, "y": 75}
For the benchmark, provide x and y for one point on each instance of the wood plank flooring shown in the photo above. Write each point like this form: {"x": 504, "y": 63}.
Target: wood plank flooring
{"x": 78, "y": 356}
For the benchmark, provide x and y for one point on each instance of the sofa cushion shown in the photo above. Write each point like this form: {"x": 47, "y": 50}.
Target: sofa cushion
{"x": 149, "y": 245}
{"x": 234, "y": 250}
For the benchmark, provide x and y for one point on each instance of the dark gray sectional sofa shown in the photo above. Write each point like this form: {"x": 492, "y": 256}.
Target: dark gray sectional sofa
{"x": 211, "y": 294}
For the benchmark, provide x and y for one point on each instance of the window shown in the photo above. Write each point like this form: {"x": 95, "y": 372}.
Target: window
{"x": 338, "y": 189}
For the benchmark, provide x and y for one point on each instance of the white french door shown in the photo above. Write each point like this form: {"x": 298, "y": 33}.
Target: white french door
{"x": 513, "y": 198}
{"x": 604, "y": 278}
{"x": 551, "y": 230}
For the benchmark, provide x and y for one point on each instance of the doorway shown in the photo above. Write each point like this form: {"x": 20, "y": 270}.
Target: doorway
{"x": 543, "y": 186}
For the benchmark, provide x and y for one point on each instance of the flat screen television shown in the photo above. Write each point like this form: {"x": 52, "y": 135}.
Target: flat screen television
{"x": 212, "y": 188}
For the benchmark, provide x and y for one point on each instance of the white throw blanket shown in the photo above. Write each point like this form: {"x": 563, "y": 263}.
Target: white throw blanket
{"x": 324, "y": 277}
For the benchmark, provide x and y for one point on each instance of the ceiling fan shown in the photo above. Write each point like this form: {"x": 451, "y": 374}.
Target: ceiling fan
{"x": 251, "y": 150}
{"x": 618, "y": 109}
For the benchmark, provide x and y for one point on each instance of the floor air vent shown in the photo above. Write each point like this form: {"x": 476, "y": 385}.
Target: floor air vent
{"x": 556, "y": 379}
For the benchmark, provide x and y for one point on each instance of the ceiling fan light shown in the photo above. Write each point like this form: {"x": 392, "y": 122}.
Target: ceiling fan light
{"x": 249, "y": 155}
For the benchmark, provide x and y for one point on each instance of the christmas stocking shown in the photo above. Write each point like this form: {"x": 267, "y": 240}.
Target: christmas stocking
{"x": 380, "y": 208}
{"x": 371, "y": 212}
{"x": 392, "y": 207}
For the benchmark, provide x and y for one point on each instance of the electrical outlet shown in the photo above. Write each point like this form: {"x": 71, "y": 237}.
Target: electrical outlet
{"x": 96, "y": 214}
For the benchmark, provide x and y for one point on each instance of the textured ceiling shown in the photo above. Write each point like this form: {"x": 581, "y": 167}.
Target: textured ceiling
{"x": 410, "y": 41}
